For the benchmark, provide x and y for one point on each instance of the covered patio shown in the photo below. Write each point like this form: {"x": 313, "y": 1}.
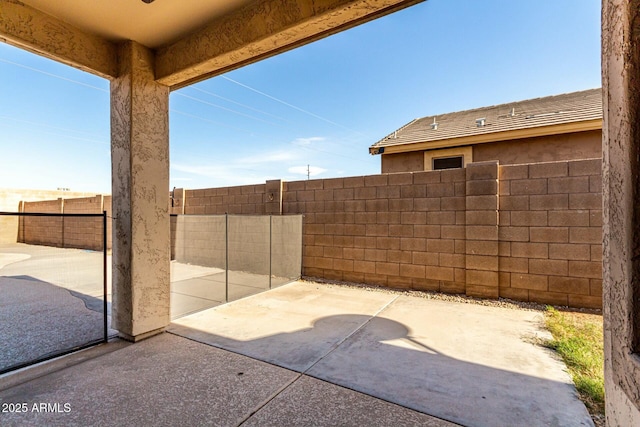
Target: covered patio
{"x": 317, "y": 354}
{"x": 146, "y": 49}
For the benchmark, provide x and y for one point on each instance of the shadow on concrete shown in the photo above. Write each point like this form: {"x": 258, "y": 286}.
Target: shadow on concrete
{"x": 190, "y": 295}
{"x": 40, "y": 320}
{"x": 380, "y": 357}
{"x": 168, "y": 380}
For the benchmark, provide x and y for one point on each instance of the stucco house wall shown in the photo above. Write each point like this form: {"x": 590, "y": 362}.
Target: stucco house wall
{"x": 412, "y": 161}
{"x": 571, "y": 146}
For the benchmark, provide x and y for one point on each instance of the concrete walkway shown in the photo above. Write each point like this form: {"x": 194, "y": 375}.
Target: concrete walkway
{"x": 310, "y": 354}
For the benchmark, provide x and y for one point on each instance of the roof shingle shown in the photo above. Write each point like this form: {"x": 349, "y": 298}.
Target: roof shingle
{"x": 532, "y": 113}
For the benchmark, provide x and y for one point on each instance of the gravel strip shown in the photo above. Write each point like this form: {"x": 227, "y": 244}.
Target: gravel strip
{"x": 500, "y": 302}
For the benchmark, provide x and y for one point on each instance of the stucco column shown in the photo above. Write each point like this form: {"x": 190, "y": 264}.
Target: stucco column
{"x": 140, "y": 188}
{"x": 621, "y": 210}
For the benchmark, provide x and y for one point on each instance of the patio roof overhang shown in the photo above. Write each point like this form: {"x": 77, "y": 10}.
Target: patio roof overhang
{"x": 191, "y": 40}
{"x": 175, "y": 43}
{"x": 146, "y": 50}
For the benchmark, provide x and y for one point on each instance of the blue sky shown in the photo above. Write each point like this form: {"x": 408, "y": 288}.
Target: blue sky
{"x": 321, "y": 105}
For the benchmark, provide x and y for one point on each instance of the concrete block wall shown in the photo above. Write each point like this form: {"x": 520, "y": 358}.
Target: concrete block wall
{"x": 400, "y": 230}
{"x": 10, "y": 201}
{"x": 67, "y": 232}
{"x": 173, "y": 224}
{"x": 199, "y": 241}
{"x": 245, "y": 199}
{"x": 47, "y": 231}
{"x": 106, "y": 206}
{"x": 528, "y": 232}
{"x": 84, "y": 233}
{"x": 481, "y": 230}
{"x": 551, "y": 233}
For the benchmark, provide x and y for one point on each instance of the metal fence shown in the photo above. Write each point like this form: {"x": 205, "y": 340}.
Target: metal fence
{"x": 53, "y": 290}
{"x": 222, "y": 258}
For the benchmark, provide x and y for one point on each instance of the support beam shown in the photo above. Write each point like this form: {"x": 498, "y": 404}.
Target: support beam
{"x": 140, "y": 186}
{"x": 262, "y": 29}
{"x": 621, "y": 210}
{"x": 42, "y": 34}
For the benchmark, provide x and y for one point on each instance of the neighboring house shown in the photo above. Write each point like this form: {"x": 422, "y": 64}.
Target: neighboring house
{"x": 553, "y": 128}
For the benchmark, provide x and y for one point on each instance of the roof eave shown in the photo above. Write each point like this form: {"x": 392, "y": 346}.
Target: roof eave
{"x": 557, "y": 129}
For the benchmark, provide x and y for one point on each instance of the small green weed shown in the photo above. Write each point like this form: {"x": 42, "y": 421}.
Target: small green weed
{"x": 577, "y": 337}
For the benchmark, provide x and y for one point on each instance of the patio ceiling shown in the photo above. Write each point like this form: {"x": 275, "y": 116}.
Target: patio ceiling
{"x": 192, "y": 40}
{"x": 155, "y": 24}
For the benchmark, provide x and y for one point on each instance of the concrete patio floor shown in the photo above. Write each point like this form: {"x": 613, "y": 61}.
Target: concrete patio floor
{"x": 169, "y": 381}
{"x": 313, "y": 354}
